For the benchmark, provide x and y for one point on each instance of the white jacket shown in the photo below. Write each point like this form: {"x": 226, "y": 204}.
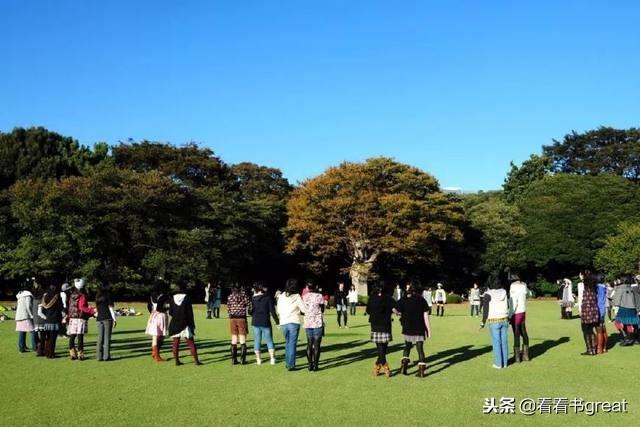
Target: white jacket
{"x": 23, "y": 307}
{"x": 353, "y": 297}
{"x": 498, "y": 305}
{"x": 518, "y": 296}
{"x": 289, "y": 308}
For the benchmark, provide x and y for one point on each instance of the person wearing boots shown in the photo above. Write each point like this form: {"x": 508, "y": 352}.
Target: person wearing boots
{"x": 380, "y": 308}
{"x": 52, "y": 311}
{"x": 24, "y": 316}
{"x": 518, "y": 298}
{"x": 37, "y": 338}
{"x": 105, "y": 322}
{"x": 157, "y": 325}
{"x": 625, "y": 298}
{"x": 182, "y": 324}
{"x": 416, "y": 327}
{"x": 79, "y": 313}
{"x": 590, "y": 317}
{"x": 602, "y": 301}
{"x": 217, "y": 301}
{"x": 495, "y": 312}
{"x": 440, "y": 299}
{"x": 238, "y": 307}
{"x": 566, "y": 299}
{"x": 262, "y": 307}
{"x": 313, "y": 309}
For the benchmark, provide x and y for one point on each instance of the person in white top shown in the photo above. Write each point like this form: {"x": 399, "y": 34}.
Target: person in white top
{"x": 496, "y": 313}
{"x": 580, "y": 293}
{"x": 440, "y": 299}
{"x": 427, "y": 294}
{"x": 518, "y": 297}
{"x": 474, "y": 300}
{"x": 289, "y": 308}
{"x": 353, "y": 300}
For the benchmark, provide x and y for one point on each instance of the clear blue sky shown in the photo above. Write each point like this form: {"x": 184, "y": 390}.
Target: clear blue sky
{"x": 457, "y": 88}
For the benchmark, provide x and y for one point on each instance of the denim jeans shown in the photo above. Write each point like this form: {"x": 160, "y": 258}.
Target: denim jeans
{"x": 22, "y": 342}
{"x": 290, "y": 331}
{"x": 260, "y": 332}
{"x": 499, "y": 340}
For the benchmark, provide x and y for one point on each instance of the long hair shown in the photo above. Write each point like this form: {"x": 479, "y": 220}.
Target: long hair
{"x": 291, "y": 287}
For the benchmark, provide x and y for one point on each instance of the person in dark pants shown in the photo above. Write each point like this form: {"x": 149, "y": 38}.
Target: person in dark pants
{"x": 313, "y": 309}
{"x": 106, "y": 321}
{"x": 182, "y": 324}
{"x": 79, "y": 313}
{"x": 379, "y": 309}
{"x": 341, "y": 298}
{"x": 416, "y": 326}
{"x": 52, "y": 311}
{"x": 353, "y": 300}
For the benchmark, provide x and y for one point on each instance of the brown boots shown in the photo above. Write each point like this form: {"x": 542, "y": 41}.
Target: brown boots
{"x": 384, "y": 368}
{"x": 523, "y": 355}
{"x": 155, "y": 353}
{"x": 404, "y": 366}
{"x": 387, "y": 370}
{"x": 422, "y": 370}
{"x": 73, "y": 354}
{"x": 376, "y": 369}
{"x": 601, "y": 341}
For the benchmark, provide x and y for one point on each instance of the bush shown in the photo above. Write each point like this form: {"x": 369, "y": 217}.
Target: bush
{"x": 363, "y": 299}
{"x": 545, "y": 288}
{"x": 454, "y": 299}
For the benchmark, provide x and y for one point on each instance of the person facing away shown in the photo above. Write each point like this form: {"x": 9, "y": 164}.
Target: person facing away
{"x": 496, "y": 313}
{"x": 238, "y": 305}
{"x": 416, "y": 327}
{"x": 106, "y": 321}
{"x": 380, "y": 308}
{"x": 182, "y": 324}
{"x": 518, "y": 292}
{"x": 24, "y": 317}
{"x": 313, "y": 324}
{"x": 262, "y": 307}
{"x": 289, "y": 308}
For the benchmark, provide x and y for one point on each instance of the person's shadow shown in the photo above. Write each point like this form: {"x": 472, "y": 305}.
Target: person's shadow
{"x": 539, "y": 349}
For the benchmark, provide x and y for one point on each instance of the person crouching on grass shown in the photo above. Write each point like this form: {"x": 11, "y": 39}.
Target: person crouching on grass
{"x": 262, "y": 307}
{"x": 495, "y": 312}
{"x": 79, "y": 313}
{"x": 379, "y": 309}
{"x": 313, "y": 309}
{"x": 416, "y": 326}
{"x": 237, "y": 307}
{"x": 182, "y": 324}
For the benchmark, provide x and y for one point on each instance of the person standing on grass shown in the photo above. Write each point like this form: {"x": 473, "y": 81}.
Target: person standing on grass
{"x": 217, "y": 301}
{"x": 313, "y": 309}
{"x": 416, "y": 327}
{"x": 397, "y": 293}
{"x": 79, "y": 313}
{"x": 24, "y": 317}
{"x": 518, "y": 299}
{"x": 238, "y": 305}
{"x": 440, "y": 299}
{"x": 51, "y": 309}
{"x": 262, "y": 307}
{"x": 37, "y": 339}
{"x": 65, "y": 293}
{"x": 379, "y": 309}
{"x": 157, "y": 325}
{"x": 589, "y": 318}
{"x": 602, "y": 300}
{"x": 567, "y": 299}
{"x": 496, "y": 312}
{"x": 474, "y": 300}
{"x": 627, "y": 299}
{"x": 341, "y": 298}
{"x": 209, "y": 298}
{"x": 427, "y": 294}
{"x": 182, "y": 324}
{"x": 106, "y": 321}
{"x": 353, "y": 300}
{"x": 289, "y": 308}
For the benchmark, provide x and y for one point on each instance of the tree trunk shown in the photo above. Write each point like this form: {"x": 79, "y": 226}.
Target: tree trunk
{"x": 359, "y": 274}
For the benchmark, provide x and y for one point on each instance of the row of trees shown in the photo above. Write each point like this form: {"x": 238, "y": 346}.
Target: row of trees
{"x": 130, "y": 213}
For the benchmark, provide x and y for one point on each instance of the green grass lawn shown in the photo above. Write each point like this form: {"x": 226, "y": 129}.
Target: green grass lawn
{"x": 135, "y": 390}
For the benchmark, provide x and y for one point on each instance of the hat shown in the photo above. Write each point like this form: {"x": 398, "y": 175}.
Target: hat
{"x": 78, "y": 283}
{"x": 65, "y": 287}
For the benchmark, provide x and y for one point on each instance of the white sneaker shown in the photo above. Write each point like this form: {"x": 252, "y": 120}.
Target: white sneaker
{"x": 259, "y": 361}
{"x": 273, "y": 361}
{"x": 497, "y": 367}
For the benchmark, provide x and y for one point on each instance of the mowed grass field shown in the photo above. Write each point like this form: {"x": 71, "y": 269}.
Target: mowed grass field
{"x": 135, "y": 390}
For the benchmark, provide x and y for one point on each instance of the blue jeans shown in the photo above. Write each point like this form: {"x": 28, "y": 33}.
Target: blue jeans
{"x": 499, "y": 340}
{"x": 260, "y": 332}
{"x": 22, "y": 341}
{"x": 290, "y": 331}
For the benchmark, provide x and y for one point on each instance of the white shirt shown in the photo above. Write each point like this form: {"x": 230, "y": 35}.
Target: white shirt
{"x": 289, "y": 308}
{"x": 518, "y": 296}
{"x": 353, "y": 297}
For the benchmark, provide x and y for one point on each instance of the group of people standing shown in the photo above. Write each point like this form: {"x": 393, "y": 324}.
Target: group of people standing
{"x": 53, "y": 312}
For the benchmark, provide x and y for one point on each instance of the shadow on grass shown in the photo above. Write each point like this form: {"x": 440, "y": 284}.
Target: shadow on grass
{"x": 539, "y": 349}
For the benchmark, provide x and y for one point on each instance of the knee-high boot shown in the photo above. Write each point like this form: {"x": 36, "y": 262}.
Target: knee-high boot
{"x": 310, "y": 353}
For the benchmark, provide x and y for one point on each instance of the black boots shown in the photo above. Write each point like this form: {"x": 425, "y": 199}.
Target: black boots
{"x": 310, "y": 353}
{"x": 208, "y": 314}
{"x": 404, "y": 366}
{"x": 316, "y": 352}
{"x": 243, "y": 354}
{"x": 422, "y": 370}
{"x": 516, "y": 354}
{"x": 234, "y": 354}
{"x": 525, "y": 353}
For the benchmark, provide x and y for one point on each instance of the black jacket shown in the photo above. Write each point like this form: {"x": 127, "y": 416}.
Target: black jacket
{"x": 51, "y": 308}
{"x": 341, "y": 297}
{"x": 181, "y": 316}
{"x": 380, "y": 309}
{"x": 263, "y": 307}
{"x": 412, "y": 308}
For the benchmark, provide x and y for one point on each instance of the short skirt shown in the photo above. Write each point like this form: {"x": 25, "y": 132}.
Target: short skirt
{"x": 24, "y": 325}
{"x": 414, "y": 338}
{"x": 186, "y": 333}
{"x": 52, "y": 327}
{"x": 157, "y": 325}
{"x": 518, "y": 319}
{"x": 77, "y": 327}
{"x": 381, "y": 337}
{"x": 627, "y": 316}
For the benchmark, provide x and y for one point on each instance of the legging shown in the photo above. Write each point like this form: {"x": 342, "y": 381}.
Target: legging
{"x": 589, "y": 336}
{"x": 340, "y": 314}
{"x": 72, "y": 342}
{"x": 520, "y": 331}
{"x": 419, "y": 348}
{"x": 382, "y": 352}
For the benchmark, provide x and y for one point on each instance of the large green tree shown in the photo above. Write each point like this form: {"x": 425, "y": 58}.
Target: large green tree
{"x": 567, "y": 217}
{"x": 520, "y": 178}
{"x": 358, "y": 211}
{"x": 620, "y": 254}
{"x": 602, "y": 150}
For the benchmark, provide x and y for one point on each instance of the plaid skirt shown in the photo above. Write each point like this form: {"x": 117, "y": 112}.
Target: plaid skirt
{"x": 381, "y": 337}
{"x": 414, "y": 338}
{"x": 77, "y": 327}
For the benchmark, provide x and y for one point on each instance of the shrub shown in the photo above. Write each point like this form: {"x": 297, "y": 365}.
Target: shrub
{"x": 363, "y": 299}
{"x": 454, "y": 299}
{"x": 545, "y": 288}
